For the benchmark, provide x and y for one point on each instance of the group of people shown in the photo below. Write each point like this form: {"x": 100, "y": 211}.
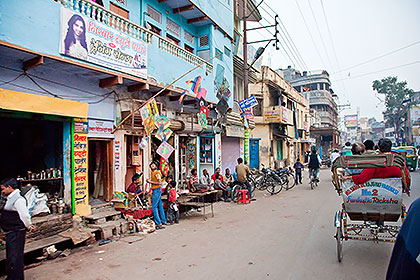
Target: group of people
{"x": 361, "y": 176}
{"x": 219, "y": 182}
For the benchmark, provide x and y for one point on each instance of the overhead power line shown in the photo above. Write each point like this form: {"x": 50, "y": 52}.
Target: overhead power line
{"x": 310, "y": 34}
{"x": 374, "y": 72}
{"x": 320, "y": 34}
{"x": 378, "y": 57}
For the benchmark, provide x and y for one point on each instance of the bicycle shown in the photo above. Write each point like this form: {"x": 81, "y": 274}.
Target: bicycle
{"x": 313, "y": 180}
{"x": 288, "y": 178}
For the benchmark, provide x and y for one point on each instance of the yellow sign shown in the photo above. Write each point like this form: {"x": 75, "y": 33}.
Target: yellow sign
{"x": 80, "y": 175}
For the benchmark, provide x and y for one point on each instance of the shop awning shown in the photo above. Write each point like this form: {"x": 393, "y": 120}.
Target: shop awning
{"x": 34, "y": 103}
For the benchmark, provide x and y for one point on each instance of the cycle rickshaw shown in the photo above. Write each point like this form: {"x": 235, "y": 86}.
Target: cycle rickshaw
{"x": 369, "y": 211}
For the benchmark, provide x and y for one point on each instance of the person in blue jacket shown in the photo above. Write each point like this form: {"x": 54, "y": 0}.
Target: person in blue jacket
{"x": 405, "y": 258}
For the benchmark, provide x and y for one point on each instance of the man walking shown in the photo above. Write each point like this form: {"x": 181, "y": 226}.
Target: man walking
{"x": 157, "y": 207}
{"x": 242, "y": 171}
{"x": 15, "y": 220}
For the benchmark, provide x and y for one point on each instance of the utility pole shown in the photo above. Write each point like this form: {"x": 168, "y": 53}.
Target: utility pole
{"x": 245, "y": 50}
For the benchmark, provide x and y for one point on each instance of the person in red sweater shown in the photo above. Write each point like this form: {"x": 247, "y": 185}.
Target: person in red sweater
{"x": 385, "y": 172}
{"x": 173, "y": 213}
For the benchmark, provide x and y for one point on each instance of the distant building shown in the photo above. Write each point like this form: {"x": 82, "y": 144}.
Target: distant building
{"x": 316, "y": 86}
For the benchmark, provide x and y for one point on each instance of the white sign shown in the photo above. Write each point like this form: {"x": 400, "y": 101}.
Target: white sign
{"x": 90, "y": 40}
{"x": 100, "y": 128}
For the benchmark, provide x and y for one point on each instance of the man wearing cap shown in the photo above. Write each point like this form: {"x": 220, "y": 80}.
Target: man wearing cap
{"x": 14, "y": 220}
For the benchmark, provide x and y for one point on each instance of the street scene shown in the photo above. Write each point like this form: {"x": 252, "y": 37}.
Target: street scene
{"x": 209, "y": 139}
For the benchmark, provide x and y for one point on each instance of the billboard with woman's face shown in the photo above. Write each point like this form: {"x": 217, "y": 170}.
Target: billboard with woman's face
{"x": 90, "y": 40}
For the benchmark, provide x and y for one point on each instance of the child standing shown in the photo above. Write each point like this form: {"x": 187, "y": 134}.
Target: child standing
{"x": 173, "y": 213}
{"x": 298, "y": 171}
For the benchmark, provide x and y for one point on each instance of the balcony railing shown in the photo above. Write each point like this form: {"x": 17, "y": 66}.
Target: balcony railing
{"x": 123, "y": 25}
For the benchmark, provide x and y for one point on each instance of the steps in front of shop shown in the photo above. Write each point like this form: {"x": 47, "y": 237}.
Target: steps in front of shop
{"x": 106, "y": 219}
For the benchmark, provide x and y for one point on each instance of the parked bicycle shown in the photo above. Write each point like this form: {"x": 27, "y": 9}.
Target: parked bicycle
{"x": 268, "y": 179}
{"x": 287, "y": 177}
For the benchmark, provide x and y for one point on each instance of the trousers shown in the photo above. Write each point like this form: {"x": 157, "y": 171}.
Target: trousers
{"x": 157, "y": 206}
{"x": 15, "y": 243}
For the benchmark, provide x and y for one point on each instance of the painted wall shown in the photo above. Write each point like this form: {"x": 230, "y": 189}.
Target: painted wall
{"x": 263, "y": 131}
{"x": 221, "y": 11}
{"x": 17, "y": 16}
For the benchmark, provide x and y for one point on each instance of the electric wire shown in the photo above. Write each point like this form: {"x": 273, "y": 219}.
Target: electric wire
{"x": 378, "y": 57}
{"x": 382, "y": 70}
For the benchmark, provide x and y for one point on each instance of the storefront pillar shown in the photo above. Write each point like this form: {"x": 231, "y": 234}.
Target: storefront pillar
{"x": 246, "y": 145}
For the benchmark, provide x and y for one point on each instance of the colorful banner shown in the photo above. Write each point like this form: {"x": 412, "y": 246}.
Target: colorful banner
{"x": 248, "y": 103}
{"x": 248, "y": 114}
{"x": 86, "y": 39}
{"x": 165, "y": 150}
{"x": 80, "y": 175}
{"x": 350, "y": 121}
{"x": 202, "y": 120}
{"x": 191, "y": 156}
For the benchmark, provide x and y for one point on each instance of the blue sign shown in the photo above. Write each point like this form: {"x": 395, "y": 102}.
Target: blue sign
{"x": 248, "y": 103}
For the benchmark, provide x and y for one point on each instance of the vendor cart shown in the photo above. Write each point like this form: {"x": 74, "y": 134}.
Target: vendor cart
{"x": 369, "y": 211}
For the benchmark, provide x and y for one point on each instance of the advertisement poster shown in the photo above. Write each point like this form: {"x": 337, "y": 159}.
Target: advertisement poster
{"x": 350, "y": 120}
{"x": 86, "y": 39}
{"x": 80, "y": 175}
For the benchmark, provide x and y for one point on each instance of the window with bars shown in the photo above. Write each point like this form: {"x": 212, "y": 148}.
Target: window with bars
{"x": 173, "y": 27}
{"x": 227, "y": 51}
{"x": 219, "y": 54}
{"x": 203, "y": 40}
{"x": 154, "y": 14}
{"x": 189, "y": 37}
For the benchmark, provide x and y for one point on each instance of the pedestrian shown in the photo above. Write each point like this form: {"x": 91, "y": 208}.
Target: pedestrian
{"x": 405, "y": 260}
{"x": 15, "y": 220}
{"x": 298, "y": 166}
{"x": 157, "y": 207}
{"x": 173, "y": 213}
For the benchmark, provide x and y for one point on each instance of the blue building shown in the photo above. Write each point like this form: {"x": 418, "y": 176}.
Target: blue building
{"x": 74, "y": 74}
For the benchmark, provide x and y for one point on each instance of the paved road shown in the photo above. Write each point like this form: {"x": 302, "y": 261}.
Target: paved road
{"x": 286, "y": 236}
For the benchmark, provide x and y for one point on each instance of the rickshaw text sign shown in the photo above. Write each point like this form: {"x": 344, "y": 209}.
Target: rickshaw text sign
{"x": 375, "y": 196}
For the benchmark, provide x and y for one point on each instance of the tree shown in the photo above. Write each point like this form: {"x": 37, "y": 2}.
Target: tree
{"x": 398, "y": 99}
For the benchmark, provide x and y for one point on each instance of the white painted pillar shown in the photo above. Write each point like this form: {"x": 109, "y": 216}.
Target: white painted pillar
{"x": 177, "y": 163}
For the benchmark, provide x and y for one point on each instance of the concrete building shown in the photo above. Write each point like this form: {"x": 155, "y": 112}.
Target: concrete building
{"x": 71, "y": 71}
{"x": 281, "y": 119}
{"x": 316, "y": 86}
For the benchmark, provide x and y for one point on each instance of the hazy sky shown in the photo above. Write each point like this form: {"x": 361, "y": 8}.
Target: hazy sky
{"x": 360, "y": 30}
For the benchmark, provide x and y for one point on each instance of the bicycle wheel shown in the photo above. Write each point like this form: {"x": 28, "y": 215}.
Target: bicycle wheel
{"x": 339, "y": 239}
{"x": 259, "y": 180}
{"x": 273, "y": 187}
{"x": 312, "y": 184}
{"x": 292, "y": 181}
{"x": 234, "y": 194}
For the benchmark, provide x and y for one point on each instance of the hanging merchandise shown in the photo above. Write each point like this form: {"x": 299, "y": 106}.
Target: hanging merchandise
{"x": 149, "y": 125}
{"x": 163, "y": 134}
{"x": 195, "y": 84}
{"x": 248, "y": 114}
{"x": 202, "y": 93}
{"x": 165, "y": 150}
{"x": 164, "y": 166}
{"x": 150, "y": 109}
{"x": 181, "y": 98}
{"x": 205, "y": 110}
{"x": 202, "y": 120}
{"x": 143, "y": 143}
{"x": 162, "y": 122}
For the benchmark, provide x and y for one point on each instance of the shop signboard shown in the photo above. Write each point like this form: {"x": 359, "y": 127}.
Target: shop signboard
{"x": 100, "y": 44}
{"x": 248, "y": 103}
{"x": 80, "y": 175}
{"x": 100, "y": 128}
{"x": 272, "y": 114}
{"x": 235, "y": 131}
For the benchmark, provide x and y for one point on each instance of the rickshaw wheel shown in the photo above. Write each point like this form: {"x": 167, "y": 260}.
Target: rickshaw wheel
{"x": 339, "y": 238}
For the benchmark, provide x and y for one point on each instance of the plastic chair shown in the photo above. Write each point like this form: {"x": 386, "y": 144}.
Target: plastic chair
{"x": 243, "y": 197}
